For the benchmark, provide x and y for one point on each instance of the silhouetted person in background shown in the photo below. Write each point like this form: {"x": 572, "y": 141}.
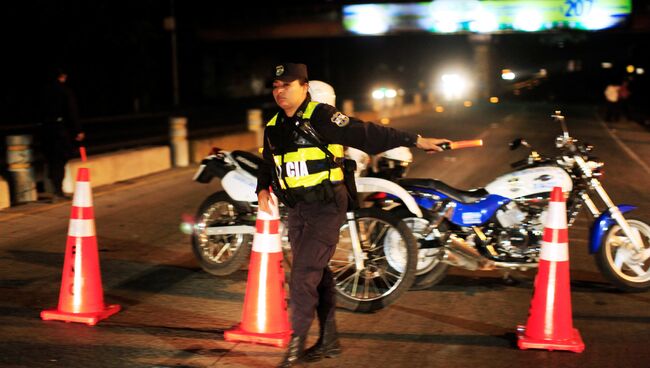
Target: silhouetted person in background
{"x": 624, "y": 94}
{"x": 612, "y": 106}
{"x": 60, "y": 129}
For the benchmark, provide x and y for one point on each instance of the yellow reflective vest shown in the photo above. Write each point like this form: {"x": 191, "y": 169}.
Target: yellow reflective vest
{"x": 300, "y": 164}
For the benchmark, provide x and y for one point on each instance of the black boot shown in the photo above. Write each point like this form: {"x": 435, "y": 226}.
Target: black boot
{"x": 327, "y": 346}
{"x": 295, "y": 352}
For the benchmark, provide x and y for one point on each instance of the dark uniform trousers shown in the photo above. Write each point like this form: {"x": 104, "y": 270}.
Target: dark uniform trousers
{"x": 313, "y": 234}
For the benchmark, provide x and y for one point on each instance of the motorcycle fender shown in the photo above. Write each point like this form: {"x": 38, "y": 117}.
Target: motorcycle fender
{"x": 240, "y": 186}
{"x": 201, "y": 175}
{"x": 210, "y": 168}
{"x": 602, "y": 224}
{"x": 368, "y": 184}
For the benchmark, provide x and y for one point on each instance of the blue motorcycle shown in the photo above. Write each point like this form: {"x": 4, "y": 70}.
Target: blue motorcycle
{"x": 501, "y": 225}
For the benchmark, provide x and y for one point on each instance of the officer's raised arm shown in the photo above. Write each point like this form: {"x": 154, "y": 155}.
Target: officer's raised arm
{"x": 369, "y": 137}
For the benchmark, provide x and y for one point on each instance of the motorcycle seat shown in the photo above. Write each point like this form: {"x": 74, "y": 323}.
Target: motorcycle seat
{"x": 248, "y": 161}
{"x": 463, "y": 196}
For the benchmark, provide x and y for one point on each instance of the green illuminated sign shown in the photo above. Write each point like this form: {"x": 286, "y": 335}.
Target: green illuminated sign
{"x": 486, "y": 16}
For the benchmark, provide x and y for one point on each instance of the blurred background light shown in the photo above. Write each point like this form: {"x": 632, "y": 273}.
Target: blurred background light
{"x": 378, "y": 94}
{"x": 528, "y": 19}
{"x": 507, "y": 74}
{"x": 368, "y": 19}
{"x": 451, "y": 16}
{"x": 597, "y": 19}
{"x": 453, "y": 86}
{"x": 484, "y": 22}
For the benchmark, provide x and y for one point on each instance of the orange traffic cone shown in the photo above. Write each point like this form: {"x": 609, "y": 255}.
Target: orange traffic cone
{"x": 264, "y": 318}
{"x": 550, "y": 322}
{"x": 81, "y": 298}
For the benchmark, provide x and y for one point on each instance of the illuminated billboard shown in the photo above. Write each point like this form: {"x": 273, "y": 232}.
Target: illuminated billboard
{"x": 485, "y": 16}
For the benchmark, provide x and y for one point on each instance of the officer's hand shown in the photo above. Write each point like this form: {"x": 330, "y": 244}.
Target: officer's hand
{"x": 80, "y": 137}
{"x": 263, "y": 200}
{"x": 431, "y": 145}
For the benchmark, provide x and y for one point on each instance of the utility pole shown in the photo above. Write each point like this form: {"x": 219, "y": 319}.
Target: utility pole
{"x": 481, "y": 47}
{"x": 169, "y": 24}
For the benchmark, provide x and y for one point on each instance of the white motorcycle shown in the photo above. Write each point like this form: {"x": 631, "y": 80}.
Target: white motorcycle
{"x": 376, "y": 256}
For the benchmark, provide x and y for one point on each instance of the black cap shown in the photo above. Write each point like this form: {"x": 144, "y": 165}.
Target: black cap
{"x": 289, "y": 72}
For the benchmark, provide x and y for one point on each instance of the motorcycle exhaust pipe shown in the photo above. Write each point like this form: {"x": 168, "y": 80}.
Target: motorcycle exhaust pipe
{"x": 459, "y": 253}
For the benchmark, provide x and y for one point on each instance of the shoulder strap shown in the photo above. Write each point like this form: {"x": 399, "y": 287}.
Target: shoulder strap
{"x": 310, "y": 109}
{"x": 310, "y": 135}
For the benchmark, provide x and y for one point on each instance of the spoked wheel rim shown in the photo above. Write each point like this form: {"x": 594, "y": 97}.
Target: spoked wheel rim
{"x": 427, "y": 257}
{"x": 384, "y": 255}
{"x": 628, "y": 264}
{"x": 218, "y": 248}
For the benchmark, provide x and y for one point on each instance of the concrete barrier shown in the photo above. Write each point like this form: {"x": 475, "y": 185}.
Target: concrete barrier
{"x": 178, "y": 140}
{"x": 109, "y": 168}
{"x": 199, "y": 148}
{"x": 5, "y": 200}
{"x": 19, "y": 162}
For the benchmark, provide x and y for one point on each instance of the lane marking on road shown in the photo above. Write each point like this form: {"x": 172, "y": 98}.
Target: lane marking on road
{"x": 625, "y": 148}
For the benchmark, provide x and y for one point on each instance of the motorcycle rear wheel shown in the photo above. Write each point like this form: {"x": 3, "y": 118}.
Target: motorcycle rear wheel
{"x": 223, "y": 254}
{"x": 390, "y": 258}
{"x": 621, "y": 266}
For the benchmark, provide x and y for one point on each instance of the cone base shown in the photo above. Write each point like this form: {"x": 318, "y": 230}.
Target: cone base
{"x": 280, "y": 339}
{"x": 90, "y": 319}
{"x": 573, "y": 344}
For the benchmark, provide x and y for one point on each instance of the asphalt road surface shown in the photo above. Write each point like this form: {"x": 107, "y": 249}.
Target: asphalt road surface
{"x": 174, "y": 314}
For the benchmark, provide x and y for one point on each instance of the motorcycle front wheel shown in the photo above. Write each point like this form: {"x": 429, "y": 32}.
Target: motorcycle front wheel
{"x": 620, "y": 263}
{"x": 430, "y": 268}
{"x": 389, "y": 257}
{"x": 221, "y": 254}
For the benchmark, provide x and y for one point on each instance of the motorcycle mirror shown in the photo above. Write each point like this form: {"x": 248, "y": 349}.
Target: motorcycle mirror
{"x": 515, "y": 144}
{"x": 557, "y": 116}
{"x": 519, "y": 142}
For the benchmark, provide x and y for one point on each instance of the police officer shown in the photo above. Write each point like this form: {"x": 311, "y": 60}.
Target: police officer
{"x": 309, "y": 180}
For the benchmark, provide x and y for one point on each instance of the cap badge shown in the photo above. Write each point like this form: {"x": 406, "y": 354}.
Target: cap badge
{"x": 279, "y": 70}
